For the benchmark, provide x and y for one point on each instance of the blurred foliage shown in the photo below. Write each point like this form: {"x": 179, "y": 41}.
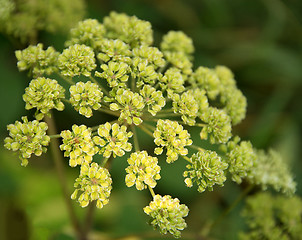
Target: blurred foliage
{"x": 260, "y": 40}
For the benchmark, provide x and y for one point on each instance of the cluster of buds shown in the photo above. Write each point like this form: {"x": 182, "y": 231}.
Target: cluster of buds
{"x": 113, "y": 68}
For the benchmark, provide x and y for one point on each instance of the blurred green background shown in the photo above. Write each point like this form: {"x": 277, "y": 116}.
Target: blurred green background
{"x": 260, "y": 40}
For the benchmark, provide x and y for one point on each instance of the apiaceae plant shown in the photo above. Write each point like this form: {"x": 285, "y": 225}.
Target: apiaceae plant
{"x": 112, "y": 67}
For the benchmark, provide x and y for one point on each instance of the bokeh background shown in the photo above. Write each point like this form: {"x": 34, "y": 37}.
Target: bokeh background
{"x": 260, "y": 40}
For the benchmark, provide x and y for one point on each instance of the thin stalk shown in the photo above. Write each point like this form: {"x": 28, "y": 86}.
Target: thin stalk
{"x": 152, "y": 128}
{"x": 196, "y": 147}
{"x": 146, "y": 130}
{"x": 58, "y": 160}
{"x": 89, "y": 218}
{"x": 68, "y": 80}
{"x": 186, "y": 158}
{"x": 151, "y": 191}
{"x": 55, "y": 136}
{"x": 205, "y": 232}
{"x": 108, "y": 111}
{"x": 135, "y": 138}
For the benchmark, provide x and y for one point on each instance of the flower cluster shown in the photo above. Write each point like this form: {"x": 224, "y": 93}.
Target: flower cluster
{"x": 28, "y": 138}
{"x": 241, "y": 158}
{"x": 37, "y": 60}
{"x": 85, "y": 96}
{"x": 171, "y": 135}
{"x": 270, "y": 170}
{"x": 93, "y": 184}
{"x": 167, "y": 214}
{"x": 44, "y": 94}
{"x": 142, "y": 170}
{"x": 206, "y": 170}
{"x": 24, "y": 19}
{"x": 78, "y": 145}
{"x": 130, "y": 104}
{"x": 112, "y": 67}
{"x": 76, "y": 60}
{"x": 280, "y": 219}
{"x": 113, "y": 139}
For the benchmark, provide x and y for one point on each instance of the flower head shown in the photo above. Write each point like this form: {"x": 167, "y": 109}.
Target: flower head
{"x": 86, "y": 32}
{"x": 218, "y": 125}
{"x": 28, "y": 138}
{"x": 171, "y": 135}
{"x": 44, "y": 94}
{"x": 167, "y": 214}
{"x": 78, "y": 145}
{"x": 151, "y": 54}
{"x": 115, "y": 73}
{"x": 142, "y": 170}
{"x": 131, "y": 30}
{"x": 85, "y": 96}
{"x": 37, "y": 60}
{"x": 172, "y": 81}
{"x": 153, "y": 99}
{"x": 76, "y": 60}
{"x": 206, "y": 170}
{"x": 130, "y": 105}
{"x": 93, "y": 184}
{"x": 177, "y": 41}
{"x": 113, "y": 139}
{"x": 113, "y": 50}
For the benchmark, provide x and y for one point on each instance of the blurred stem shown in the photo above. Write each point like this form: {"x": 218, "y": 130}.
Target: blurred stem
{"x": 135, "y": 138}
{"x": 206, "y": 231}
{"x": 58, "y": 160}
{"x": 100, "y": 85}
{"x": 88, "y": 219}
{"x": 145, "y": 130}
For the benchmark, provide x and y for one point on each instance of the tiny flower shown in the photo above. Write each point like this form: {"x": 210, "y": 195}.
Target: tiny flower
{"x": 114, "y": 50}
{"x": 206, "y": 78}
{"x": 143, "y": 72}
{"x": 153, "y": 99}
{"x": 27, "y": 138}
{"x": 177, "y": 41}
{"x": 44, "y": 94}
{"x": 180, "y": 61}
{"x": 130, "y": 105}
{"x": 77, "y": 60}
{"x": 241, "y": 158}
{"x": 93, "y": 184}
{"x": 218, "y": 125}
{"x": 113, "y": 139}
{"x": 172, "y": 81}
{"x": 85, "y": 96}
{"x": 206, "y": 170}
{"x": 171, "y": 135}
{"x": 270, "y": 170}
{"x": 151, "y": 54}
{"x": 131, "y": 30}
{"x": 86, "y": 32}
{"x": 78, "y": 145}
{"x": 167, "y": 214}
{"x": 186, "y": 105}
{"x": 142, "y": 170}
{"x": 37, "y": 60}
{"x": 115, "y": 73}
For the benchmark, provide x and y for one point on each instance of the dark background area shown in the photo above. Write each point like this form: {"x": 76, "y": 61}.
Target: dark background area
{"x": 259, "y": 40}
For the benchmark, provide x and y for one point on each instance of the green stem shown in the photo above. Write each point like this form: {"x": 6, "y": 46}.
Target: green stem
{"x": 135, "y": 138}
{"x": 205, "y": 232}
{"x": 89, "y": 218}
{"x": 68, "y": 80}
{"x": 186, "y": 158}
{"x": 55, "y": 136}
{"x": 146, "y": 130}
{"x": 108, "y": 111}
{"x": 196, "y": 147}
{"x": 151, "y": 191}
{"x": 58, "y": 160}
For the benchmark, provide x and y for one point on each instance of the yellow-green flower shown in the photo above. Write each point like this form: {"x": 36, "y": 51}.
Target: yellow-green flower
{"x": 85, "y": 96}
{"x": 78, "y": 145}
{"x": 77, "y": 60}
{"x": 206, "y": 170}
{"x": 142, "y": 170}
{"x": 44, "y": 94}
{"x": 167, "y": 215}
{"x": 93, "y": 184}
{"x": 130, "y": 105}
{"x": 27, "y": 138}
{"x": 171, "y": 135}
{"x": 113, "y": 139}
